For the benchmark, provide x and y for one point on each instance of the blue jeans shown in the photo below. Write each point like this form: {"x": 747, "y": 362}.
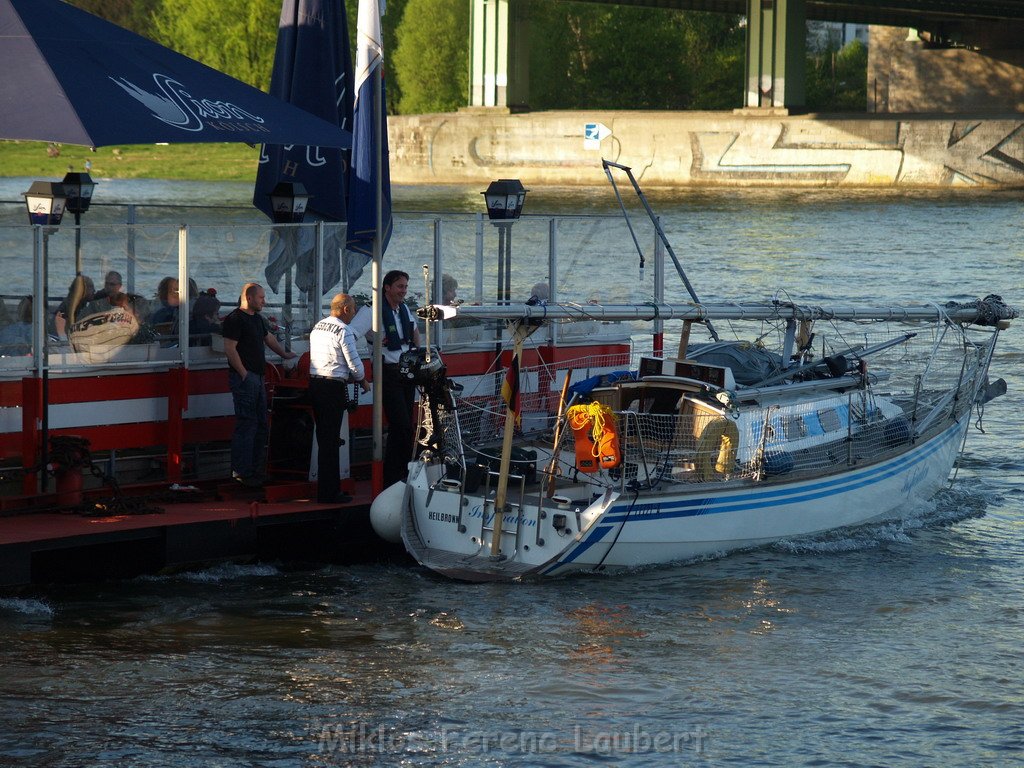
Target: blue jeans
{"x": 249, "y": 441}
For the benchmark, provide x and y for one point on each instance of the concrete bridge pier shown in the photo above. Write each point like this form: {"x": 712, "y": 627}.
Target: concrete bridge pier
{"x": 499, "y": 54}
{"x": 776, "y": 46}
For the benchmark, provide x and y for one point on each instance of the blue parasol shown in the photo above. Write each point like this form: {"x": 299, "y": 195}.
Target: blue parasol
{"x": 75, "y": 78}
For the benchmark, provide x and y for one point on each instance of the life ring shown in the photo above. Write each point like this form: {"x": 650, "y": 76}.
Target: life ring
{"x": 596, "y": 436}
{"x": 716, "y": 449}
{"x": 97, "y": 334}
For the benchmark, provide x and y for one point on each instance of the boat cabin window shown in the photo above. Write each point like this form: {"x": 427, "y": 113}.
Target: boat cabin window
{"x": 829, "y": 419}
{"x": 794, "y": 427}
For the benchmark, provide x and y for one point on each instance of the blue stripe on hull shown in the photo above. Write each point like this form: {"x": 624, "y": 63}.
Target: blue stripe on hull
{"x": 745, "y": 500}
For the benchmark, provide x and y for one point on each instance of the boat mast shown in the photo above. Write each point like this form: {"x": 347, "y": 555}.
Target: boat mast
{"x": 520, "y": 332}
{"x": 607, "y": 164}
{"x": 771, "y": 311}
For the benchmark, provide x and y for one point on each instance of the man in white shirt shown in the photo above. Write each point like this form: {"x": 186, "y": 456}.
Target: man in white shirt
{"x": 333, "y": 362}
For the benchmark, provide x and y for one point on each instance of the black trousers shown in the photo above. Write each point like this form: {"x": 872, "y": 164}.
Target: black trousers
{"x": 329, "y": 398}
{"x": 398, "y": 396}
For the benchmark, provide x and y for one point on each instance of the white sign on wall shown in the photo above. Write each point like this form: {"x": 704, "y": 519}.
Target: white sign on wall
{"x": 593, "y": 134}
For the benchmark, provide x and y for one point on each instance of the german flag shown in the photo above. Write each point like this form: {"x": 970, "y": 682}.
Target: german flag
{"x": 510, "y": 389}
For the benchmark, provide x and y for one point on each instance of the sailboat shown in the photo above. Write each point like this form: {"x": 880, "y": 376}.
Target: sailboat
{"x": 819, "y": 418}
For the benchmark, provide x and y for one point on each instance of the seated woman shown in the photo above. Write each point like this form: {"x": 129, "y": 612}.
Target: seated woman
{"x": 165, "y": 317}
{"x": 449, "y": 296}
{"x": 16, "y": 337}
{"x": 204, "y": 320}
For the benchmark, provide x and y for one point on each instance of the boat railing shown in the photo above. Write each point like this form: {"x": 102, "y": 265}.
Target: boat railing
{"x": 514, "y": 511}
{"x": 769, "y": 443}
{"x": 899, "y": 398}
{"x": 301, "y": 266}
{"x": 948, "y": 387}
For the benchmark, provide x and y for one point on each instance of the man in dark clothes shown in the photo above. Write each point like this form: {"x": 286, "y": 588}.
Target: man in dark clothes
{"x": 398, "y": 394}
{"x": 245, "y": 334}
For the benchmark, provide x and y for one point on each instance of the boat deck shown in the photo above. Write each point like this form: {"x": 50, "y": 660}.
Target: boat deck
{"x": 215, "y": 524}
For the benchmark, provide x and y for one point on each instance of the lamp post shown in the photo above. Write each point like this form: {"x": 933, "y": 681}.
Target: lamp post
{"x": 78, "y": 189}
{"x": 45, "y": 202}
{"x": 504, "y": 199}
{"x": 288, "y": 201}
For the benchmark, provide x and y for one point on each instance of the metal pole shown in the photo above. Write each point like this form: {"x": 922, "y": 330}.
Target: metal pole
{"x": 184, "y": 297}
{"x": 500, "y": 297}
{"x": 739, "y": 311}
{"x": 40, "y": 345}
{"x": 437, "y": 294}
{"x": 501, "y": 266}
{"x": 552, "y": 273}
{"x": 286, "y": 311}
{"x": 478, "y": 284}
{"x": 377, "y": 298}
{"x": 659, "y": 296}
{"x": 661, "y": 232}
{"x": 44, "y": 458}
{"x": 508, "y": 264}
{"x": 78, "y": 242}
{"x": 316, "y": 309}
{"x": 130, "y": 247}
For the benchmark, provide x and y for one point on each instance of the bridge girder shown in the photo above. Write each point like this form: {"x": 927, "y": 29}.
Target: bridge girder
{"x": 920, "y": 14}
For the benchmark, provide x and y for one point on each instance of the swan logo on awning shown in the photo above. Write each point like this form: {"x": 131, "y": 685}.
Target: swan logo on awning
{"x": 175, "y": 105}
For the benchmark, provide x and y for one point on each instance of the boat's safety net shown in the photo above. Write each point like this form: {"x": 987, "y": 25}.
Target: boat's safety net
{"x": 914, "y": 389}
{"x": 482, "y": 409}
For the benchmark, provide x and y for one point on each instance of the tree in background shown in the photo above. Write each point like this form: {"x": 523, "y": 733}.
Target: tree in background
{"x": 389, "y": 29}
{"x": 608, "y": 57}
{"x": 837, "y": 78}
{"x": 130, "y": 14}
{"x": 234, "y": 36}
{"x": 431, "y": 59}
{"x": 715, "y": 51}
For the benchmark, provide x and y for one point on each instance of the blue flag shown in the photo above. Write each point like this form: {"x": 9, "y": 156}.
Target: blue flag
{"x": 312, "y": 70}
{"x": 362, "y": 205}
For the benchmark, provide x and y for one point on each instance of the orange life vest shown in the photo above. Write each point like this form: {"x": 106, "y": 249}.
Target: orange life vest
{"x": 597, "y": 440}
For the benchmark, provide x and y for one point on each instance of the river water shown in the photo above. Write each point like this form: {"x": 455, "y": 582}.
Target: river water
{"x": 894, "y": 644}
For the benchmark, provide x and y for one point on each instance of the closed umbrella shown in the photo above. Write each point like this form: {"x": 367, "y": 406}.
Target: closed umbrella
{"x": 312, "y": 70}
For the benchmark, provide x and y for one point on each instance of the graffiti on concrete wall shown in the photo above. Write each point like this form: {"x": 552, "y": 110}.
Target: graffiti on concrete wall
{"x": 677, "y": 149}
{"x": 859, "y": 153}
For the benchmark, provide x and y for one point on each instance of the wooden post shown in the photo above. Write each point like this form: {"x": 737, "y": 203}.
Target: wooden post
{"x": 684, "y": 339}
{"x": 501, "y": 494}
{"x": 553, "y": 465}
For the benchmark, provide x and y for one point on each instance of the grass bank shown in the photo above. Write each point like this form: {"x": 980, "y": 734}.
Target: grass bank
{"x": 198, "y": 162}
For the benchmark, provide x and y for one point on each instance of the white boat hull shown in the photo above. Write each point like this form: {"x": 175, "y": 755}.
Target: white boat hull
{"x": 698, "y": 520}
